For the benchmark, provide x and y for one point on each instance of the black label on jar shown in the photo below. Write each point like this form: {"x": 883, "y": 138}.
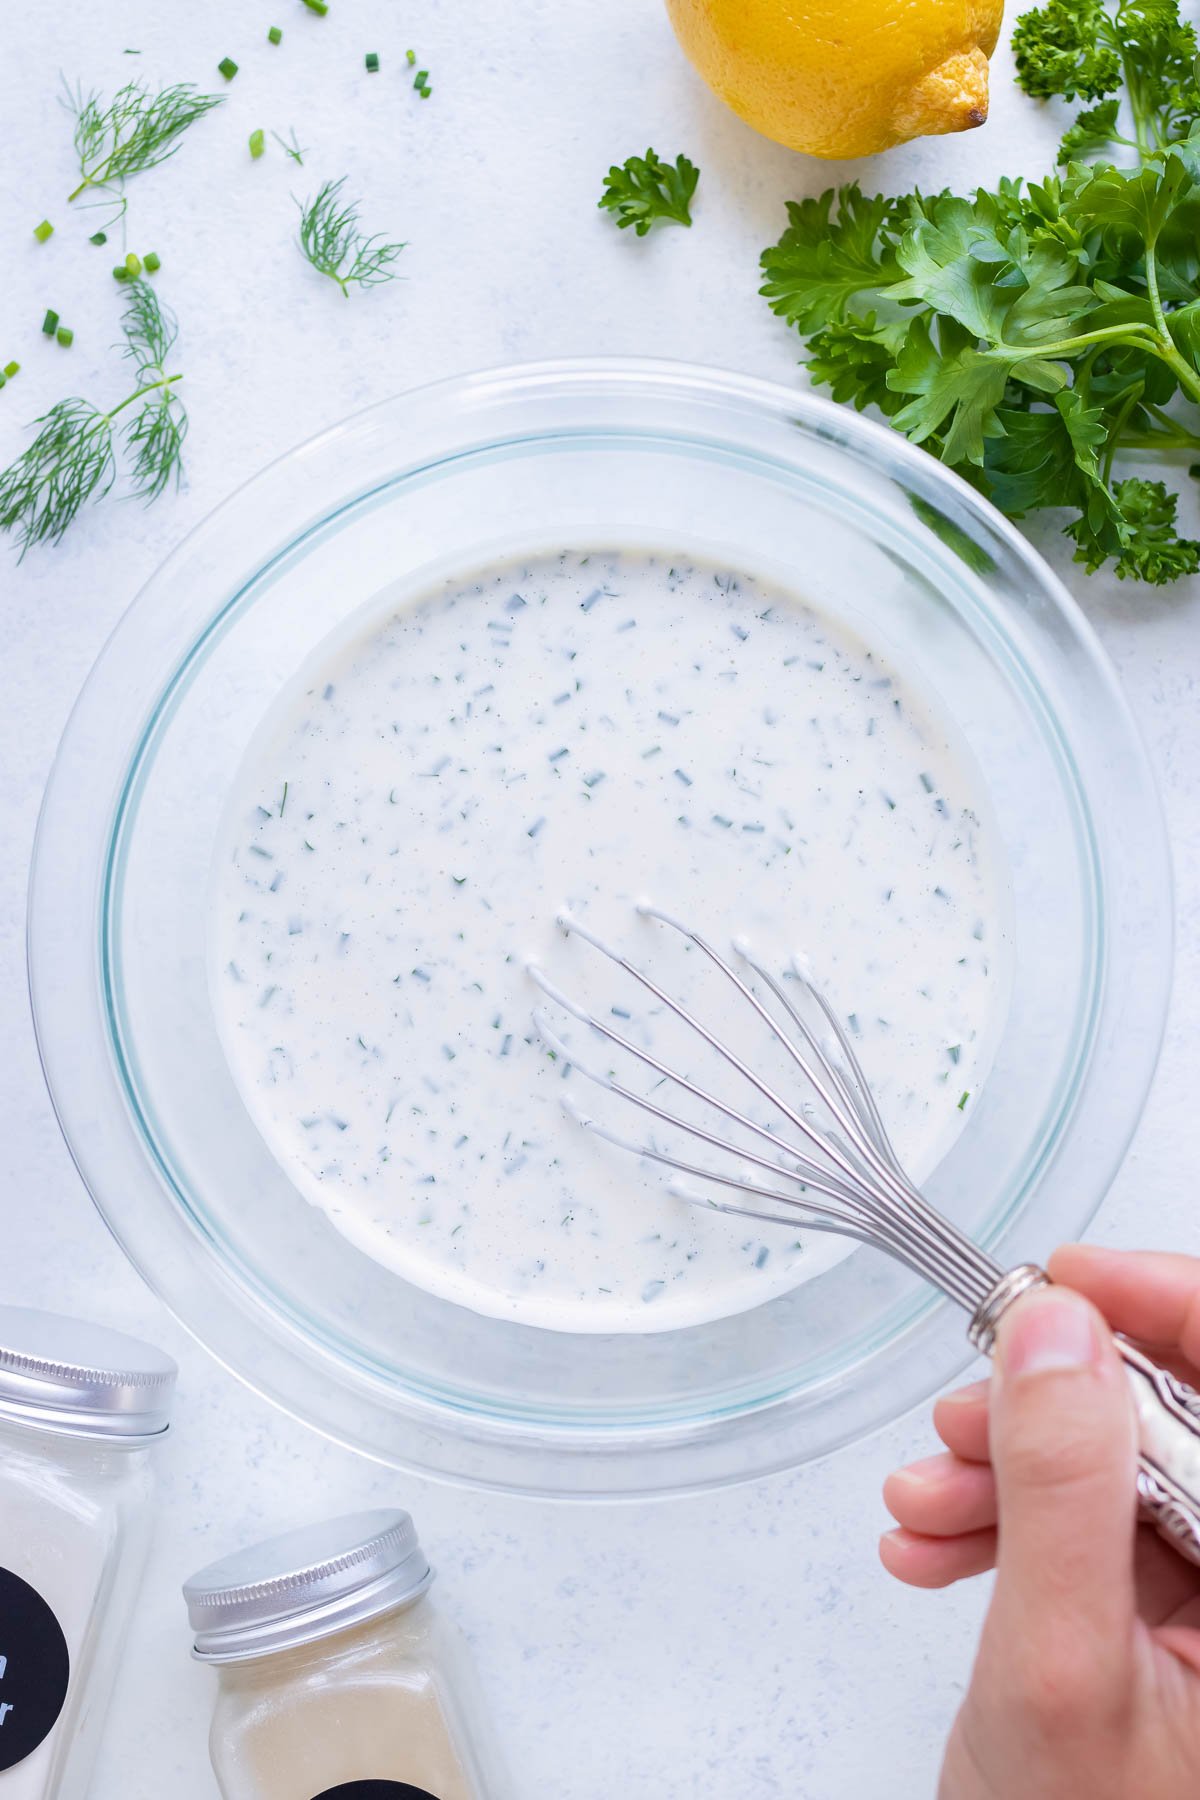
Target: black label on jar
{"x": 375, "y": 1790}
{"x": 35, "y": 1666}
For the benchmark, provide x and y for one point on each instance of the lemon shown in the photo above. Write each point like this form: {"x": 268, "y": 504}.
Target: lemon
{"x": 844, "y": 77}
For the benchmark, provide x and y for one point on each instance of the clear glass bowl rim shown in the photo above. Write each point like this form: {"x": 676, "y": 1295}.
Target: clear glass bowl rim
{"x": 271, "y": 1355}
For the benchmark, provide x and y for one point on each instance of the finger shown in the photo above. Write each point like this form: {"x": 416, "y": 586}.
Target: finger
{"x": 961, "y": 1421}
{"x": 931, "y": 1562}
{"x": 1149, "y": 1294}
{"x": 942, "y": 1497}
{"x": 1064, "y": 1450}
{"x": 1168, "y": 1587}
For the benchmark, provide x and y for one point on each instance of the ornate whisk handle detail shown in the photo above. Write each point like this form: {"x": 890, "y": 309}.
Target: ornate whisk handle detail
{"x": 1168, "y": 1414}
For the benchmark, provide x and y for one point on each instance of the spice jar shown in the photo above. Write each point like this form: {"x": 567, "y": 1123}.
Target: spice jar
{"x": 81, "y": 1409}
{"x": 339, "y": 1679}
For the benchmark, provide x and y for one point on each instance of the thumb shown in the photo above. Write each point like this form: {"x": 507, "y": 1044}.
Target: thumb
{"x": 1064, "y": 1449}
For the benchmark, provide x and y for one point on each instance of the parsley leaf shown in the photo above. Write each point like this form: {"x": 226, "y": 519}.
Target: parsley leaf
{"x": 644, "y": 189}
{"x": 821, "y": 262}
{"x": 1067, "y": 48}
{"x": 1031, "y": 334}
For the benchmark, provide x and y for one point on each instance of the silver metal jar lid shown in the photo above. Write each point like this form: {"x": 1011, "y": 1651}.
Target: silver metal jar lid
{"x": 304, "y": 1585}
{"x": 81, "y": 1380}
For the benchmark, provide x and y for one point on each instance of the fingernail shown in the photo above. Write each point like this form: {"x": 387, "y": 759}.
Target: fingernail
{"x": 1047, "y": 1331}
{"x": 930, "y": 1468}
{"x": 965, "y": 1396}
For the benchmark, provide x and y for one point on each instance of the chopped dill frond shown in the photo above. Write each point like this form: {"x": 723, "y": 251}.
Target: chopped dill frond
{"x": 294, "y": 150}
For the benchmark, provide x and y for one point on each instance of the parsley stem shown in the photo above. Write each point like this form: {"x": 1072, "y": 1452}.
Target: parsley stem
{"x": 1157, "y": 343}
{"x": 1182, "y": 370}
{"x": 1152, "y": 293}
{"x": 1116, "y": 428}
{"x": 1141, "y": 339}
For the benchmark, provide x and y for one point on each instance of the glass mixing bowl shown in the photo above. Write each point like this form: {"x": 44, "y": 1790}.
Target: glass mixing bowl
{"x": 583, "y": 453}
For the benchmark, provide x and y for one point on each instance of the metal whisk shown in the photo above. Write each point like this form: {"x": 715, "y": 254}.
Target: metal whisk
{"x": 843, "y": 1176}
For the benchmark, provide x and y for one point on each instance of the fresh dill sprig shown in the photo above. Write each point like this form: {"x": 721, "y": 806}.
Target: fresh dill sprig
{"x": 150, "y": 330}
{"x": 69, "y": 462}
{"x": 136, "y": 130}
{"x": 154, "y": 442}
{"x": 154, "y": 437}
{"x": 295, "y": 150}
{"x": 334, "y": 245}
{"x": 645, "y": 188}
{"x": 73, "y": 457}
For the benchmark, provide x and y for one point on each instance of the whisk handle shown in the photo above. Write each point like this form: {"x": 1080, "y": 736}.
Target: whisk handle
{"x": 1168, "y": 1412}
{"x": 1169, "y": 1461}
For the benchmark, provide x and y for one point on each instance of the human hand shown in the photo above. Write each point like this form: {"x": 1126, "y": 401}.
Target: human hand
{"x": 1087, "y": 1681}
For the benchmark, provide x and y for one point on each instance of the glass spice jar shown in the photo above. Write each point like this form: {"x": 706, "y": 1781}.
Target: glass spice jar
{"x": 81, "y": 1410}
{"x": 338, "y": 1677}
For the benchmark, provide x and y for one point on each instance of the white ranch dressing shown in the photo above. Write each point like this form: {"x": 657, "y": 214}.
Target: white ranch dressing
{"x": 582, "y": 730}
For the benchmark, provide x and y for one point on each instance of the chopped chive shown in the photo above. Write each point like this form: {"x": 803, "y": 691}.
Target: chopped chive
{"x": 227, "y": 67}
{"x": 133, "y": 265}
{"x": 372, "y": 61}
{"x": 43, "y": 231}
{"x": 258, "y": 143}
{"x": 410, "y": 57}
{"x": 121, "y": 273}
{"x": 966, "y": 1096}
{"x": 421, "y": 83}
{"x": 3, "y": 380}
{"x": 65, "y": 336}
{"x": 320, "y": 7}
{"x": 274, "y": 36}
{"x": 98, "y": 237}
{"x": 50, "y": 322}
{"x": 152, "y": 263}
{"x": 11, "y": 369}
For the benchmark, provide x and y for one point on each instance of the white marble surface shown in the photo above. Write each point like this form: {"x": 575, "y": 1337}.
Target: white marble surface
{"x": 731, "y": 1648}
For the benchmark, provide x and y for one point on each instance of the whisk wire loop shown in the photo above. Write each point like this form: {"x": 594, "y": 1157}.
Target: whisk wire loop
{"x": 866, "y": 1194}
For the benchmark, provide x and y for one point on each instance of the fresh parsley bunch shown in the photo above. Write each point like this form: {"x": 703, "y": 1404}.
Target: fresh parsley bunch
{"x": 1030, "y": 335}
